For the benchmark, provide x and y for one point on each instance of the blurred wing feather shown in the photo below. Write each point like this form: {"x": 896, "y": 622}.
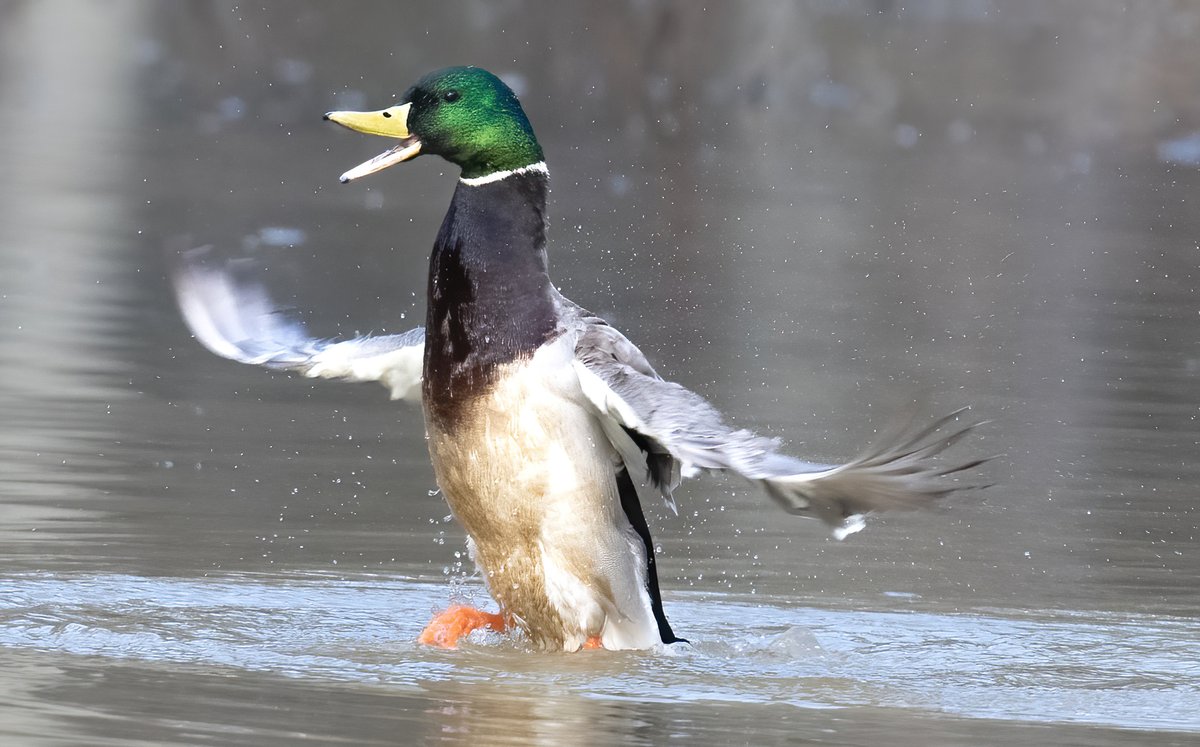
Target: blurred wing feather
{"x": 239, "y": 321}
{"x": 666, "y": 423}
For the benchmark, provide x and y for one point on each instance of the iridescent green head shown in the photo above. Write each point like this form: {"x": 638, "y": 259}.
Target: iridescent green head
{"x": 463, "y": 114}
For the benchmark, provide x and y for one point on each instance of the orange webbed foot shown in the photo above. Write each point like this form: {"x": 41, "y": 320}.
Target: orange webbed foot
{"x": 593, "y": 642}
{"x": 458, "y": 620}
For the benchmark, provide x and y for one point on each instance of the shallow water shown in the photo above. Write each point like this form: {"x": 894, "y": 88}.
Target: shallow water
{"x": 193, "y": 551}
{"x": 357, "y": 632}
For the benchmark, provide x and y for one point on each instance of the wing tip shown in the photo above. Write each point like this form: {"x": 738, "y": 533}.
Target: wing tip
{"x": 234, "y": 318}
{"x": 904, "y": 473}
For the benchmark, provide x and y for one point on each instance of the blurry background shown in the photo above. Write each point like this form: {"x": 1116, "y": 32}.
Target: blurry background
{"x": 816, "y": 214}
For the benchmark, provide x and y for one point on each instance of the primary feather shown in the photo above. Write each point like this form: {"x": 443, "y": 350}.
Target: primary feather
{"x": 239, "y": 321}
{"x": 680, "y": 432}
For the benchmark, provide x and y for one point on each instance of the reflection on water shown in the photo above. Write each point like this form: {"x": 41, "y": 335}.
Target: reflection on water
{"x": 65, "y": 292}
{"x": 811, "y": 214}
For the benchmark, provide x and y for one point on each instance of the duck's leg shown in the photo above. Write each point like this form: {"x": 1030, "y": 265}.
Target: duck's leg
{"x": 458, "y": 620}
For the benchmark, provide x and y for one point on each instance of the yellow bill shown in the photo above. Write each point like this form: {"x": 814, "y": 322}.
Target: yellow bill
{"x": 390, "y": 122}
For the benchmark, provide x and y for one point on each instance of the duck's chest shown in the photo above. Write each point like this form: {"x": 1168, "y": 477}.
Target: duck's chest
{"x": 490, "y": 304}
{"x": 523, "y": 451}
{"x": 480, "y": 330}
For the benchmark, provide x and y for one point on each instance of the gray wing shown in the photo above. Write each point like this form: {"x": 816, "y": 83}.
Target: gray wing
{"x": 238, "y": 320}
{"x": 672, "y": 430}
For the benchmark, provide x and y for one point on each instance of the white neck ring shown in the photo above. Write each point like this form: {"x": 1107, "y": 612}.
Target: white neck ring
{"x": 495, "y": 176}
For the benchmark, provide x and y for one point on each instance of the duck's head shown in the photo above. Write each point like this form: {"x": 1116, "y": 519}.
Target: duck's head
{"x": 463, "y": 114}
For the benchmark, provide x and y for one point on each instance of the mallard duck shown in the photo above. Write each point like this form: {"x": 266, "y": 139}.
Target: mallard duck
{"x": 546, "y": 426}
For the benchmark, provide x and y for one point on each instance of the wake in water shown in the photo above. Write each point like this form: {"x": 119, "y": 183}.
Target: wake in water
{"x": 1122, "y": 670}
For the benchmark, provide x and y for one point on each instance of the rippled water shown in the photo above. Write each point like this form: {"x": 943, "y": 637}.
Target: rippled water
{"x": 811, "y": 215}
{"x": 1050, "y": 667}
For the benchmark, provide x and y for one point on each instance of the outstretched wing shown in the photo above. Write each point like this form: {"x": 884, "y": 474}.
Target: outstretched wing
{"x": 237, "y": 320}
{"x": 672, "y": 430}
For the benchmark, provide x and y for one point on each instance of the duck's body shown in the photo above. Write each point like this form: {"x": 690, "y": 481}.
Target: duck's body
{"x": 524, "y": 465}
{"x": 542, "y": 420}
{"x": 529, "y": 473}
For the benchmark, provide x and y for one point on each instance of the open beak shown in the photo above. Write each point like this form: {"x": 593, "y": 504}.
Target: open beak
{"x": 391, "y": 122}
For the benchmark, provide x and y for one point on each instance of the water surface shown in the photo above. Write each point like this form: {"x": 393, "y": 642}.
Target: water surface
{"x": 815, "y": 215}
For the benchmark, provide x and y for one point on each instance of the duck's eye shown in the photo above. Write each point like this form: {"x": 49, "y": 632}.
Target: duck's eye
{"x": 450, "y": 96}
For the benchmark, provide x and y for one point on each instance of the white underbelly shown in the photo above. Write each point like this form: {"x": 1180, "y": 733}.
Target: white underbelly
{"x": 531, "y": 476}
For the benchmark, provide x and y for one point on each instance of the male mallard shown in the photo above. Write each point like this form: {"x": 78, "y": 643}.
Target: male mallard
{"x": 543, "y": 421}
